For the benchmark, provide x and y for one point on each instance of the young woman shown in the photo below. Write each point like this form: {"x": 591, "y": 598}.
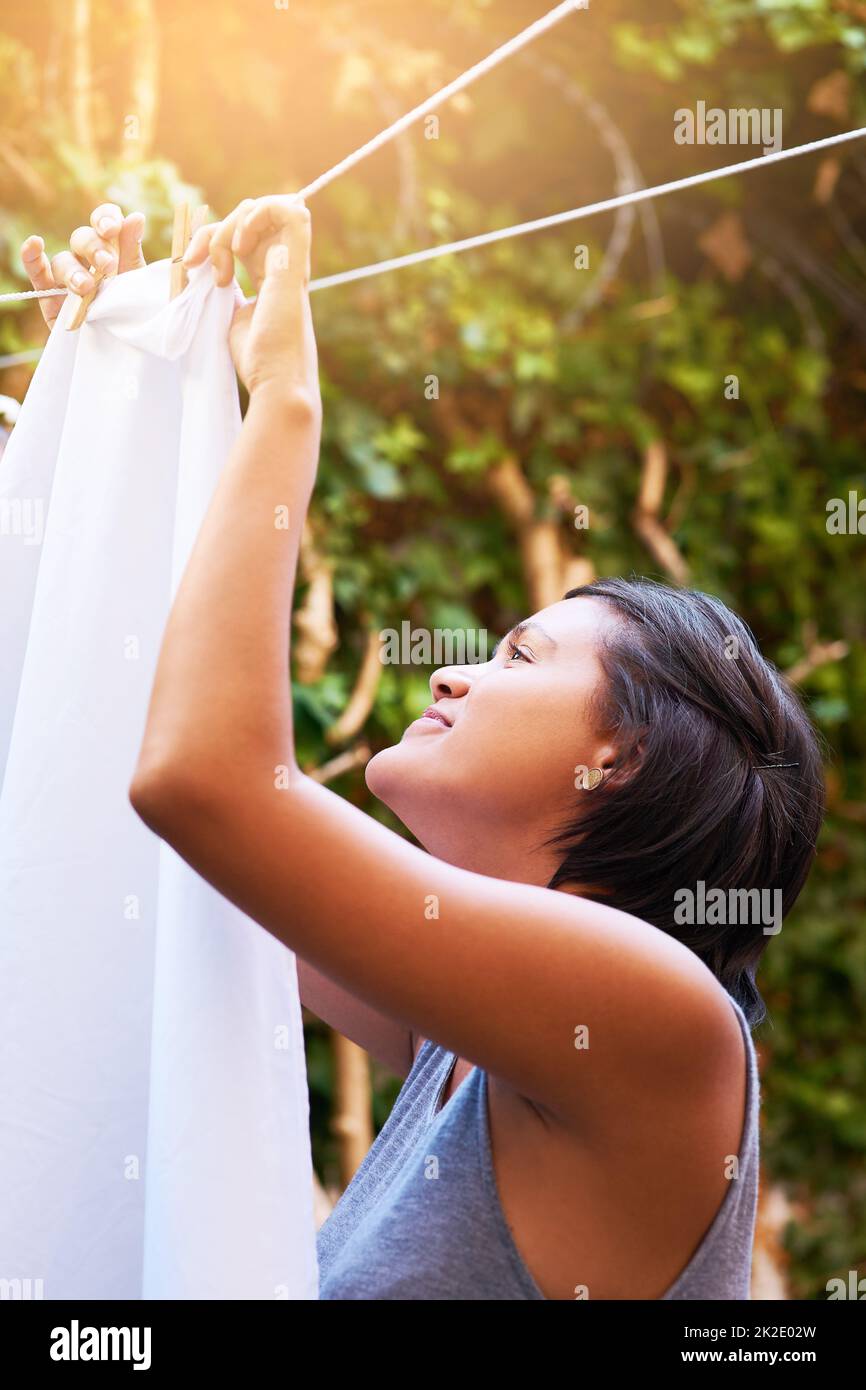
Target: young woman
{"x": 580, "y": 1112}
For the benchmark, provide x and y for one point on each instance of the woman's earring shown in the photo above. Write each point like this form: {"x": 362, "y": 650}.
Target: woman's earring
{"x": 588, "y": 778}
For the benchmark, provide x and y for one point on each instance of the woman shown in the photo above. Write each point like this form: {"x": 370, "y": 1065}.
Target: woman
{"x": 580, "y": 1112}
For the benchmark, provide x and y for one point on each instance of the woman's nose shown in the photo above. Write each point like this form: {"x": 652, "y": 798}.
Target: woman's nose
{"x": 449, "y": 681}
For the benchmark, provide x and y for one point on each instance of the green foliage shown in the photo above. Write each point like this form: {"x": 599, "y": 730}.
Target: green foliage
{"x": 692, "y": 34}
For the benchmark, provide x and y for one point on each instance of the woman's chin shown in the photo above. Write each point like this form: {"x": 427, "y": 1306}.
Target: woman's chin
{"x": 382, "y": 772}
{"x": 394, "y": 777}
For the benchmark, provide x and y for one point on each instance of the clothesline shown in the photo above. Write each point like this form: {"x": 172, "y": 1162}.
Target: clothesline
{"x": 638, "y": 195}
{"x": 505, "y": 50}
{"x": 556, "y": 219}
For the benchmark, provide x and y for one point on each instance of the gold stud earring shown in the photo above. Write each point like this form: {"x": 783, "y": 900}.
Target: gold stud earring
{"x": 588, "y": 778}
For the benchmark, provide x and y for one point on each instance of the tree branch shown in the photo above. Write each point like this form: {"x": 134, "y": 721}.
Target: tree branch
{"x": 346, "y": 761}
{"x": 314, "y": 620}
{"x": 646, "y": 516}
{"x": 363, "y": 696}
{"x": 819, "y": 654}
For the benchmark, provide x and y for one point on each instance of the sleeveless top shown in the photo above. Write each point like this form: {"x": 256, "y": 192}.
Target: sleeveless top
{"x": 421, "y": 1219}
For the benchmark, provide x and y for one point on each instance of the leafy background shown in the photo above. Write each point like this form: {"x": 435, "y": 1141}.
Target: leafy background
{"x": 558, "y": 386}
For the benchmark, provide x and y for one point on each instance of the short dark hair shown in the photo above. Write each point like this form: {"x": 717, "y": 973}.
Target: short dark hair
{"x": 696, "y": 713}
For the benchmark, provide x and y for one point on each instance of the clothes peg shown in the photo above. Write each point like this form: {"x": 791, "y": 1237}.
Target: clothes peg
{"x": 186, "y": 224}
{"x": 86, "y": 300}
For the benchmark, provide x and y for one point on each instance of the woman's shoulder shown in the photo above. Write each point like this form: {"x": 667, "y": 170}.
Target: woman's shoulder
{"x": 636, "y": 1186}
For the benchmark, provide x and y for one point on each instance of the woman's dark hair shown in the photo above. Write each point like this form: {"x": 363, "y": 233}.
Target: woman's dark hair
{"x": 700, "y": 721}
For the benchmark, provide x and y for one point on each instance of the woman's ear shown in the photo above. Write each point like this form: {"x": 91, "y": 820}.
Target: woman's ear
{"x": 606, "y": 757}
{"x": 623, "y": 762}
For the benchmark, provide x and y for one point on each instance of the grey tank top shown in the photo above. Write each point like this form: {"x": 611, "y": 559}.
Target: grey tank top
{"x": 422, "y": 1220}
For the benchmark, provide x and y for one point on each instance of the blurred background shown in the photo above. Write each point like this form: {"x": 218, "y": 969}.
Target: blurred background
{"x": 473, "y": 403}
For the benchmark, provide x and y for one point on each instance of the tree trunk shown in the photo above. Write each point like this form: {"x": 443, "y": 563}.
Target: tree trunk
{"x": 81, "y": 89}
{"x": 352, "y": 1122}
{"x": 140, "y": 120}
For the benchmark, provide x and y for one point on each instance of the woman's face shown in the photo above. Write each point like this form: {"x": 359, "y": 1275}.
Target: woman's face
{"x": 487, "y": 785}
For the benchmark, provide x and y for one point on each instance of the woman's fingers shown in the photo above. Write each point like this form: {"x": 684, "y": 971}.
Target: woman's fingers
{"x": 267, "y": 217}
{"x": 112, "y": 243}
{"x": 221, "y": 253}
{"x": 129, "y": 242}
{"x": 277, "y": 233}
{"x": 199, "y": 245}
{"x": 215, "y": 240}
{"x": 36, "y": 263}
{"x": 261, "y": 219}
{"x": 99, "y": 243}
{"x": 38, "y": 268}
{"x": 251, "y": 232}
{"x": 69, "y": 271}
{"x": 120, "y": 235}
{"x": 94, "y": 250}
{"x": 107, "y": 220}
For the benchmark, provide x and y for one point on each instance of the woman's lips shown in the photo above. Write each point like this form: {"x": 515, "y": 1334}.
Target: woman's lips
{"x": 433, "y": 716}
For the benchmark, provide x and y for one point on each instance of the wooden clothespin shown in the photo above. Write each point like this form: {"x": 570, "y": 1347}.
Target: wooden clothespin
{"x": 186, "y": 224}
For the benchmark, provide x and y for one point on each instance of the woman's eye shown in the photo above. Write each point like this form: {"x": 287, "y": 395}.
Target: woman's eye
{"x": 515, "y": 651}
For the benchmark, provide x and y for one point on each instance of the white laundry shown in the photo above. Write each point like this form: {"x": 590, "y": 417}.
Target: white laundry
{"x": 154, "y": 1115}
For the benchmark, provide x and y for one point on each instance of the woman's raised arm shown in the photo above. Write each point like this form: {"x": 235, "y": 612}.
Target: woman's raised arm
{"x": 506, "y": 974}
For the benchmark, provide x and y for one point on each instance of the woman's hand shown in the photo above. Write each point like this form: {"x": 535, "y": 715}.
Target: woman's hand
{"x": 272, "y": 340}
{"x": 109, "y": 246}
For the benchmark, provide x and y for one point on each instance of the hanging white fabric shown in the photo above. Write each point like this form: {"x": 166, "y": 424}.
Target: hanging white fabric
{"x": 154, "y": 1115}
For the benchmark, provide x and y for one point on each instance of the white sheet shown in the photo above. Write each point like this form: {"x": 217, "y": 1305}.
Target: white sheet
{"x": 154, "y": 1117}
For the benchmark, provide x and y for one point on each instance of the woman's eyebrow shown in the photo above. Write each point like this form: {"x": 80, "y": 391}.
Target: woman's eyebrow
{"x": 521, "y": 630}
{"x": 536, "y": 627}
